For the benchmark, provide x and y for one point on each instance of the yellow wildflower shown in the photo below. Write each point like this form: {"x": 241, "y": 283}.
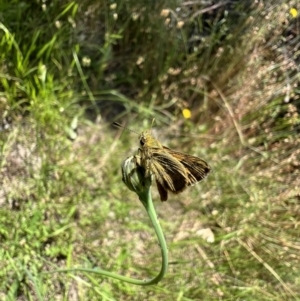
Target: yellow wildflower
{"x": 294, "y": 12}
{"x": 186, "y": 113}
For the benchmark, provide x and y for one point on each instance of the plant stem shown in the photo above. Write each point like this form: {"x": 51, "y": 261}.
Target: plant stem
{"x": 146, "y": 199}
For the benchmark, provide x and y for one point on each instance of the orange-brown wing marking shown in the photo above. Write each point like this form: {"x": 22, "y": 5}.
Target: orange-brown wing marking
{"x": 197, "y": 169}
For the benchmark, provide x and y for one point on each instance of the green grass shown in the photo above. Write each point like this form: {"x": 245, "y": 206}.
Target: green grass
{"x": 62, "y": 201}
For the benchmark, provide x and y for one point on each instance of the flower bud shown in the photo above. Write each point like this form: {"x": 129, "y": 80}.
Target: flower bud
{"x": 133, "y": 175}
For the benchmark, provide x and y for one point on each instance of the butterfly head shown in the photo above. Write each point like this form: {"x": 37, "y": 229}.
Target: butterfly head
{"x": 144, "y": 138}
{"x": 147, "y": 140}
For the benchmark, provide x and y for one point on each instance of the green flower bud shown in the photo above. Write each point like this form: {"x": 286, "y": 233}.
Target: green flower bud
{"x": 133, "y": 175}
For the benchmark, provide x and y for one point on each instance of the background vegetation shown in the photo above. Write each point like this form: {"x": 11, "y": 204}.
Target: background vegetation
{"x": 68, "y": 69}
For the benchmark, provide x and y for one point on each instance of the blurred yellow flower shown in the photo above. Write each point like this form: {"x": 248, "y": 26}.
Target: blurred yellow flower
{"x": 180, "y": 24}
{"x": 294, "y": 12}
{"x": 186, "y": 113}
{"x": 86, "y": 61}
{"x": 164, "y": 12}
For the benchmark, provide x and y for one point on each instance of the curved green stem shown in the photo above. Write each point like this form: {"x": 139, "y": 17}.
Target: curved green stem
{"x": 146, "y": 199}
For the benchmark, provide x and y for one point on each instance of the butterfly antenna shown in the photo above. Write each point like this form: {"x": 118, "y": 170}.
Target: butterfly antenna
{"x": 123, "y": 127}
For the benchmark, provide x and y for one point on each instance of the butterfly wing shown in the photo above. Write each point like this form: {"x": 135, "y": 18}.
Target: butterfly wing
{"x": 196, "y": 168}
{"x": 162, "y": 192}
{"x": 170, "y": 174}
